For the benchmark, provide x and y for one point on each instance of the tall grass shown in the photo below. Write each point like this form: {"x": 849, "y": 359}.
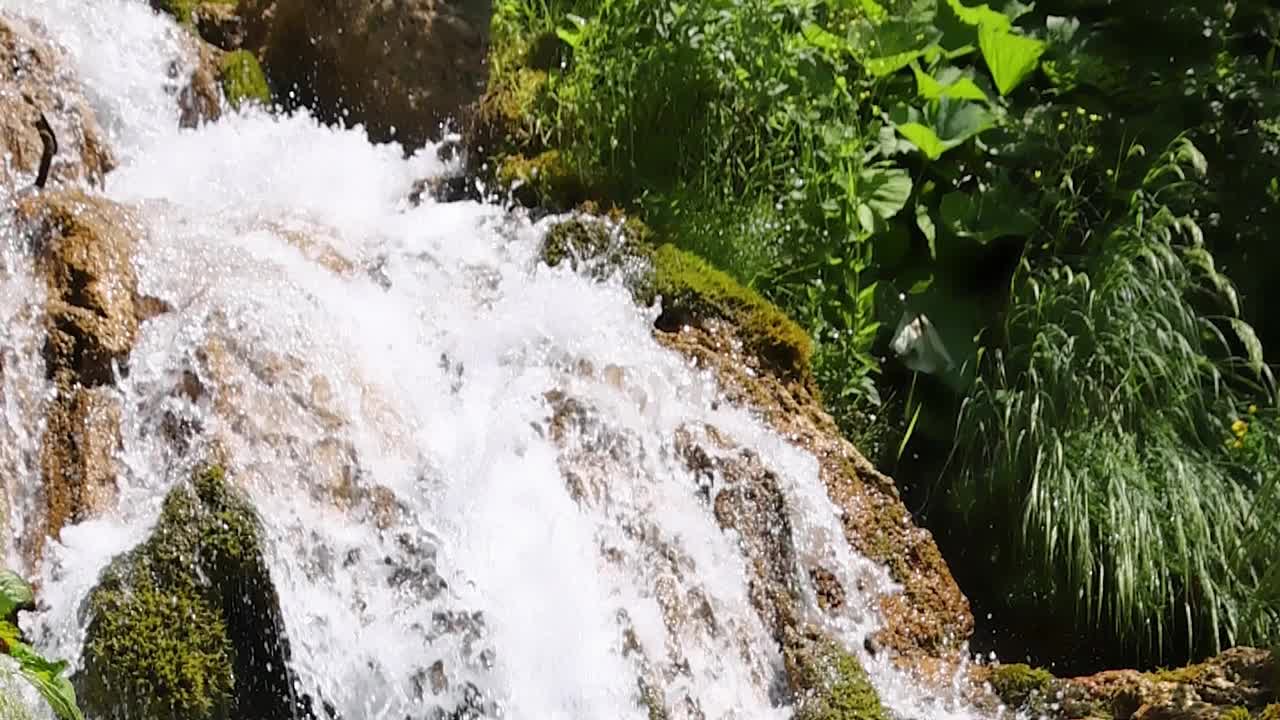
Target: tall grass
{"x": 1110, "y": 429}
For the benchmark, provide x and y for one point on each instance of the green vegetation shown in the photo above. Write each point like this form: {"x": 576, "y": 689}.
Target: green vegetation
{"x": 831, "y": 684}
{"x": 243, "y": 80}
{"x": 159, "y": 640}
{"x": 1021, "y": 686}
{"x": 43, "y": 674}
{"x": 1235, "y": 713}
{"x": 1271, "y": 712}
{"x": 182, "y": 9}
{"x": 1031, "y": 238}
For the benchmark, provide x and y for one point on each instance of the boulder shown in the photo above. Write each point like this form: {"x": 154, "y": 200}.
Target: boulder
{"x": 1238, "y": 683}
{"x": 83, "y": 246}
{"x": 401, "y": 68}
{"x": 188, "y": 623}
{"x": 35, "y": 79}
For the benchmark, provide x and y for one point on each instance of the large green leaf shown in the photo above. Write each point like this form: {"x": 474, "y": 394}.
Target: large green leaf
{"x": 1010, "y": 57}
{"x": 950, "y": 82}
{"x": 823, "y": 39}
{"x": 15, "y": 594}
{"x": 892, "y": 45}
{"x": 986, "y": 216}
{"x": 883, "y": 191}
{"x": 979, "y": 15}
{"x": 945, "y": 124}
{"x": 46, "y": 676}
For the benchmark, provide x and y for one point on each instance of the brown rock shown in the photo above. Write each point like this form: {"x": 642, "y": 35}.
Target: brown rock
{"x": 83, "y": 250}
{"x": 82, "y": 435}
{"x": 929, "y": 622}
{"x": 84, "y": 247}
{"x": 200, "y": 100}
{"x": 34, "y": 79}
{"x": 400, "y": 67}
{"x": 219, "y": 24}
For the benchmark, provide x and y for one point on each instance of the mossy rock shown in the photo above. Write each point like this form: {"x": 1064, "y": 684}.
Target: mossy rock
{"x": 545, "y": 180}
{"x": 181, "y": 10}
{"x": 188, "y": 623}
{"x": 691, "y": 289}
{"x": 829, "y": 682}
{"x": 1021, "y": 686}
{"x": 243, "y": 80}
{"x": 602, "y": 248}
{"x": 1271, "y": 712}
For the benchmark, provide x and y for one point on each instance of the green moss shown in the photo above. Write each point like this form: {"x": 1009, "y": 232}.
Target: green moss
{"x": 831, "y": 684}
{"x": 1235, "y": 713}
{"x": 1021, "y": 686}
{"x": 159, "y": 640}
{"x": 181, "y": 9}
{"x": 243, "y": 79}
{"x": 692, "y": 289}
{"x": 588, "y": 240}
{"x": 1272, "y": 712}
{"x": 546, "y": 179}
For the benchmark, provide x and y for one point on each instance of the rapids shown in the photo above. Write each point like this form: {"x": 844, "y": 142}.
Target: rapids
{"x": 354, "y": 346}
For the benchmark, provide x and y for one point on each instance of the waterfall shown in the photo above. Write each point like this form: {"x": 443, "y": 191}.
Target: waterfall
{"x": 408, "y": 396}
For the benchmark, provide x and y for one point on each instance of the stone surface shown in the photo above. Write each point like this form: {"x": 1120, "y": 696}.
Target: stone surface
{"x": 35, "y": 78}
{"x": 929, "y": 622}
{"x": 400, "y": 67}
{"x": 1241, "y": 682}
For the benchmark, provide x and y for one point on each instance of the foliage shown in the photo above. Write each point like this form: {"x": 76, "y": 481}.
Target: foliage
{"x": 43, "y": 674}
{"x": 243, "y": 80}
{"x": 965, "y": 191}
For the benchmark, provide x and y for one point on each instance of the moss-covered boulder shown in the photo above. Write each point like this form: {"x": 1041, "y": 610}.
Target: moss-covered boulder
{"x": 184, "y": 10}
{"x": 1022, "y": 687}
{"x": 242, "y": 79}
{"x": 187, "y": 625}
{"x": 692, "y": 290}
{"x": 828, "y": 682}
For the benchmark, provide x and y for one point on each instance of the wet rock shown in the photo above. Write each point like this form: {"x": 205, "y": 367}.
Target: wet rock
{"x": 84, "y": 250}
{"x": 1238, "y": 683}
{"x": 188, "y": 623}
{"x": 401, "y": 68}
{"x": 219, "y": 24}
{"x": 829, "y": 682}
{"x": 200, "y": 100}
{"x": 35, "y": 78}
{"x": 929, "y": 622}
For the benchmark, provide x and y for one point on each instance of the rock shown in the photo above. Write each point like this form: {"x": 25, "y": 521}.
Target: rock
{"x": 188, "y": 623}
{"x": 35, "y": 78}
{"x": 200, "y": 100}
{"x": 219, "y": 24}
{"x": 400, "y": 67}
{"x": 829, "y": 683}
{"x": 1237, "y": 683}
{"x": 84, "y": 251}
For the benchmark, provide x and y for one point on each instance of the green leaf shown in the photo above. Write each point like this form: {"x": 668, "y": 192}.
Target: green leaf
{"x": 950, "y": 83}
{"x": 924, "y": 221}
{"x": 986, "y": 216}
{"x": 44, "y": 675}
{"x": 15, "y": 594}
{"x": 979, "y": 15}
{"x": 875, "y": 12}
{"x": 884, "y": 190}
{"x": 946, "y": 124}
{"x": 1010, "y": 57}
{"x": 1252, "y": 345}
{"x": 892, "y": 45}
{"x": 823, "y": 39}
{"x": 572, "y": 36}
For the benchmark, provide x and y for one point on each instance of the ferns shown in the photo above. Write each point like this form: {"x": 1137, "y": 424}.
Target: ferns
{"x": 1106, "y": 429}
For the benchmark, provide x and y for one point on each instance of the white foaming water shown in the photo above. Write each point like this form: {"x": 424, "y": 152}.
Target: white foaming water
{"x": 465, "y": 460}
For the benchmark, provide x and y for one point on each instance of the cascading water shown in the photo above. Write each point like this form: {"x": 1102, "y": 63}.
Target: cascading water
{"x": 389, "y": 383}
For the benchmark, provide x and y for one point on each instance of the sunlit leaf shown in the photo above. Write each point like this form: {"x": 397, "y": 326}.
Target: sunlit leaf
{"x": 946, "y": 124}
{"x": 15, "y": 593}
{"x": 924, "y": 221}
{"x": 46, "y": 676}
{"x": 1252, "y": 345}
{"x": 979, "y": 15}
{"x": 821, "y": 38}
{"x": 1010, "y": 57}
{"x": 949, "y": 83}
{"x": 884, "y": 190}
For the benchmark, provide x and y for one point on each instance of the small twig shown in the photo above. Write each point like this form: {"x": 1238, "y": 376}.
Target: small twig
{"x": 50, "y": 142}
